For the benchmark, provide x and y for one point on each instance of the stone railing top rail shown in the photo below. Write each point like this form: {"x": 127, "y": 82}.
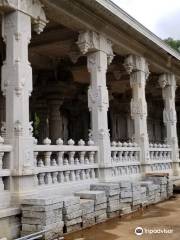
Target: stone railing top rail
{"x": 159, "y": 145}
{"x": 123, "y": 144}
{"x": 59, "y": 147}
{"x": 119, "y": 146}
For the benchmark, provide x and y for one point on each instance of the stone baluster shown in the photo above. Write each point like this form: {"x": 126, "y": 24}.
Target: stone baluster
{"x": 60, "y": 154}
{"x": 88, "y": 174}
{"x": 48, "y": 178}
{"x": 130, "y": 155}
{"x": 47, "y": 155}
{"x": 53, "y": 162}
{"x": 71, "y": 154}
{"x": 99, "y": 53}
{"x": 76, "y": 161}
{"x": 72, "y": 176}
{"x": 40, "y": 163}
{"x": 81, "y": 154}
{"x": 156, "y": 155}
{"x": 77, "y": 172}
{"x": 126, "y": 156}
{"x": 91, "y": 157}
{"x": 119, "y": 155}
{"x": 92, "y": 173}
{"x": 41, "y": 177}
{"x": 54, "y": 177}
{"x": 82, "y": 174}
{"x": 66, "y": 176}
{"x": 60, "y": 177}
{"x": 91, "y": 154}
{"x": 137, "y": 67}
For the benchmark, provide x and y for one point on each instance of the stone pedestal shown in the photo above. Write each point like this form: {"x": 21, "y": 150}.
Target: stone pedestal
{"x": 137, "y": 67}
{"x": 99, "y": 54}
{"x": 168, "y": 85}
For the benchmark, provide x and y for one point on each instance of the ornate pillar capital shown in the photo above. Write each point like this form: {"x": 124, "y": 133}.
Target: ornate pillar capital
{"x": 135, "y": 63}
{"x": 90, "y": 41}
{"x": 167, "y": 79}
{"x": 31, "y": 8}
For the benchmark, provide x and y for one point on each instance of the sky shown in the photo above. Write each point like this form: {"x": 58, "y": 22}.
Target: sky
{"x": 162, "y": 17}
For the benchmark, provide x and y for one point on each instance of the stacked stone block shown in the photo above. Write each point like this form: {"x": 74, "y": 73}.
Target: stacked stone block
{"x": 169, "y": 188}
{"x": 103, "y": 200}
{"x": 112, "y": 194}
{"x": 88, "y": 214}
{"x": 100, "y": 203}
{"x": 165, "y": 184}
{"x": 144, "y": 199}
{"x": 125, "y": 197}
{"x": 152, "y": 191}
{"x": 72, "y": 214}
{"x": 42, "y": 214}
{"x": 136, "y": 195}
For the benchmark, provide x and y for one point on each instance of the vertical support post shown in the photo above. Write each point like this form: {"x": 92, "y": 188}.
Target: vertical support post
{"x": 16, "y": 86}
{"x": 167, "y": 82}
{"x": 99, "y": 54}
{"x": 137, "y": 67}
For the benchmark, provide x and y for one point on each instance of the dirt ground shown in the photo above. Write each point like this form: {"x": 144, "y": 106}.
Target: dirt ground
{"x": 161, "y": 217}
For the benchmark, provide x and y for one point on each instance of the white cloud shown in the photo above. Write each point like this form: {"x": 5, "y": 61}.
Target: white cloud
{"x": 160, "y": 16}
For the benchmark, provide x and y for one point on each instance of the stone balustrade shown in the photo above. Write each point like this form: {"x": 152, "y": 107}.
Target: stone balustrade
{"x": 125, "y": 159}
{"x": 60, "y": 163}
{"x": 5, "y": 173}
{"x": 160, "y": 157}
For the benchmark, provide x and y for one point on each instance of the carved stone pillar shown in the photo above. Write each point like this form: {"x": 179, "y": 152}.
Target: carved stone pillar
{"x": 99, "y": 54}
{"x": 55, "y": 119}
{"x": 16, "y": 87}
{"x": 168, "y": 85}
{"x": 137, "y": 67}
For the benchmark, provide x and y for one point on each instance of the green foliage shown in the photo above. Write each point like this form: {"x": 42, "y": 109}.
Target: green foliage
{"x": 36, "y": 125}
{"x": 175, "y": 44}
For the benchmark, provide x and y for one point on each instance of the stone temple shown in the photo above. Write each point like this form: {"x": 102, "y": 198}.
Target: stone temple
{"x": 89, "y": 112}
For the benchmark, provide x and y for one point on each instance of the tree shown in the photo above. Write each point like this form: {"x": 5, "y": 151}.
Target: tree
{"x": 175, "y": 44}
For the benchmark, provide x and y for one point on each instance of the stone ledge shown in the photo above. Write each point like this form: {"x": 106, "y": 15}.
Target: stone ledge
{"x": 11, "y": 211}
